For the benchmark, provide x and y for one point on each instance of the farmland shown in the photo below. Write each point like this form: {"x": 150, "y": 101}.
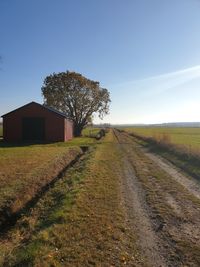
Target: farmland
{"x": 119, "y": 204}
{"x": 29, "y": 165}
{"x": 32, "y": 164}
{"x": 181, "y": 136}
{"x": 79, "y": 221}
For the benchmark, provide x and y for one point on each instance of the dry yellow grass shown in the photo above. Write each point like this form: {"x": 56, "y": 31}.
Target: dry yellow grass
{"x": 187, "y": 136}
{"x": 25, "y": 170}
{"x": 79, "y": 222}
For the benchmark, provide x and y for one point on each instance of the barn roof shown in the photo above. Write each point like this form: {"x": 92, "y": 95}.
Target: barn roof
{"x": 43, "y": 106}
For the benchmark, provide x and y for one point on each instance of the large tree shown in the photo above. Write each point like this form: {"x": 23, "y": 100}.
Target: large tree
{"x": 76, "y": 96}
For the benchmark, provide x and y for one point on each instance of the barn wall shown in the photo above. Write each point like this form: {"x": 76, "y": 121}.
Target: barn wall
{"x": 54, "y": 124}
{"x": 68, "y": 130}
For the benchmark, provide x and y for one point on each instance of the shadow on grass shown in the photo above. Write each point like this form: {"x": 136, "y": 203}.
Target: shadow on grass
{"x": 8, "y": 220}
{"x": 55, "y": 208}
{"x": 4, "y": 144}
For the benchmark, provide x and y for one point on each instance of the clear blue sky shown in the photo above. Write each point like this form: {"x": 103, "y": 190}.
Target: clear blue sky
{"x": 147, "y": 53}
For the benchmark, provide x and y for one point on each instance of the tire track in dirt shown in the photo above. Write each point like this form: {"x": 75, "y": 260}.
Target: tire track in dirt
{"x": 173, "y": 200}
{"x": 190, "y": 184}
{"x": 136, "y": 208}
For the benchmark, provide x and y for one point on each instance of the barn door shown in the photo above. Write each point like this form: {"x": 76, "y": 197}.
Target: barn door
{"x": 33, "y": 129}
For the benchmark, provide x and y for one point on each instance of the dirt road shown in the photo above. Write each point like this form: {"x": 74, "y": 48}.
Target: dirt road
{"x": 162, "y": 206}
{"x": 120, "y": 205}
{"x": 192, "y": 185}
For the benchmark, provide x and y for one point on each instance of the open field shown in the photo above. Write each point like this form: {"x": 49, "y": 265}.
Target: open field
{"x": 180, "y": 136}
{"x": 23, "y": 166}
{"x": 118, "y": 205}
{"x": 35, "y": 165}
{"x": 178, "y": 145}
{"x": 80, "y": 221}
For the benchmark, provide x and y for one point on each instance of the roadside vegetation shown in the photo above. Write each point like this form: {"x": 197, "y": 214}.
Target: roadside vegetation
{"x": 172, "y": 209}
{"x": 189, "y": 137}
{"x": 80, "y": 221}
{"x": 26, "y": 170}
{"x": 114, "y": 206}
{"x": 184, "y": 153}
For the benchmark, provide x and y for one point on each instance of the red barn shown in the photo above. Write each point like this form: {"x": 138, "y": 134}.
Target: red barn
{"x": 35, "y": 122}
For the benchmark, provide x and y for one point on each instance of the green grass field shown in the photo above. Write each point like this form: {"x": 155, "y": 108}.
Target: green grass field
{"x": 26, "y": 169}
{"x": 181, "y": 136}
{"x": 35, "y": 165}
{"x": 79, "y": 221}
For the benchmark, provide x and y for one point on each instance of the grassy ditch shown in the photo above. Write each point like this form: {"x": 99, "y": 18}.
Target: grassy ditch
{"x": 78, "y": 222}
{"x": 185, "y": 158}
{"x": 25, "y": 171}
{"x": 29, "y": 237}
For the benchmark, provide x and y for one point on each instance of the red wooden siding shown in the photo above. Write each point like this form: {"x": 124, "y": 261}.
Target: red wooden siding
{"x": 68, "y": 130}
{"x": 57, "y": 127}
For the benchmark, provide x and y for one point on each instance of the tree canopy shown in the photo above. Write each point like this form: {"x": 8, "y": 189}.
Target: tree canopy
{"x": 76, "y": 96}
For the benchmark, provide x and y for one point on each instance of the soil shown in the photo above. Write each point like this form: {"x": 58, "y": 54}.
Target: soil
{"x": 192, "y": 185}
{"x": 137, "y": 211}
{"x": 131, "y": 208}
{"x": 162, "y": 206}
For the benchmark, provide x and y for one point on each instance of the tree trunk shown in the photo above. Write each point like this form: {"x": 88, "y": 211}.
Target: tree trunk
{"x": 77, "y": 130}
